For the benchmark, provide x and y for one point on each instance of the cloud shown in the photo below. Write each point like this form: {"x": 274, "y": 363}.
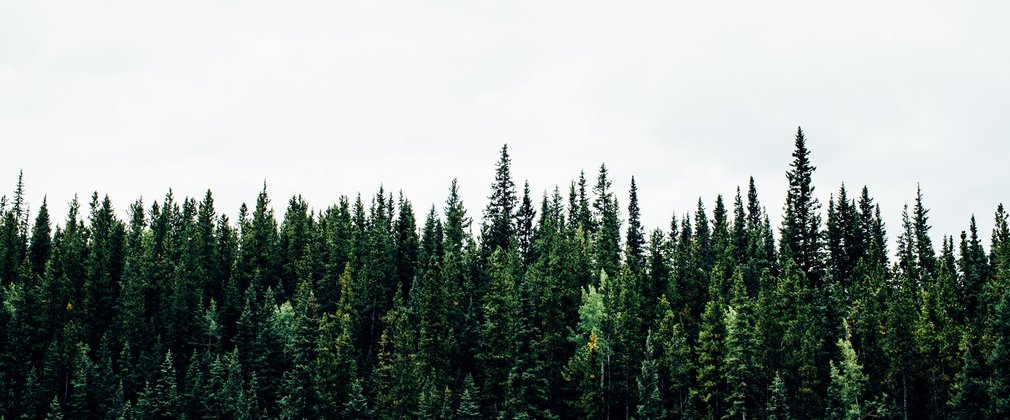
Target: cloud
{"x": 329, "y": 98}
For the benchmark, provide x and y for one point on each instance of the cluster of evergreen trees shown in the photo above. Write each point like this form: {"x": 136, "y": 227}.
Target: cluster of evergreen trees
{"x": 566, "y": 309}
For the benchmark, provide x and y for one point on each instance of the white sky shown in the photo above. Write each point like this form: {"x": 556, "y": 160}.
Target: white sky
{"x": 329, "y": 98}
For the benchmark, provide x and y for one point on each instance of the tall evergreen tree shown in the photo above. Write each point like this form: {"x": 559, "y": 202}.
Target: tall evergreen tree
{"x": 499, "y": 227}
{"x": 635, "y": 238}
{"x": 524, "y": 225}
{"x": 41, "y": 243}
{"x": 801, "y": 226}
{"x": 650, "y": 405}
{"x": 607, "y": 241}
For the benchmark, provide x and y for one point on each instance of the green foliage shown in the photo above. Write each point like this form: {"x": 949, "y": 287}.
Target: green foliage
{"x": 778, "y": 407}
{"x": 650, "y": 404}
{"x": 356, "y": 407}
{"x": 469, "y": 401}
{"x": 555, "y": 311}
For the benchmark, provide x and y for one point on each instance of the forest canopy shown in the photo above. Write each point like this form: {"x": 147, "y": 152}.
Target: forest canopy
{"x": 559, "y": 306}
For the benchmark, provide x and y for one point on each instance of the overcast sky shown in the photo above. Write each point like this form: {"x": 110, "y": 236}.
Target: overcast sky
{"x": 328, "y": 98}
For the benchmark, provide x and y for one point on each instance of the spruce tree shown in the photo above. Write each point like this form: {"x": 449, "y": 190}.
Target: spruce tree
{"x": 635, "y": 238}
{"x": 499, "y": 227}
{"x": 396, "y": 378}
{"x": 469, "y": 401}
{"x": 41, "y": 242}
{"x": 406, "y": 244}
{"x": 498, "y": 331}
{"x": 739, "y": 361}
{"x": 650, "y": 405}
{"x": 524, "y": 225}
{"x": 607, "y": 240}
{"x": 778, "y": 404}
{"x": 710, "y": 356}
{"x": 356, "y": 407}
{"x": 801, "y": 226}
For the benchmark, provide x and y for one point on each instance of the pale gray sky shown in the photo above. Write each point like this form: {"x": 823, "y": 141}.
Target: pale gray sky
{"x": 329, "y": 98}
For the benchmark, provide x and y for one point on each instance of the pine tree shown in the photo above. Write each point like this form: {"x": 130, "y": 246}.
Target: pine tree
{"x": 998, "y": 362}
{"x": 335, "y": 365}
{"x": 55, "y": 412}
{"x": 457, "y": 223}
{"x": 429, "y": 402}
{"x": 396, "y": 378}
{"x": 655, "y": 281}
{"x": 739, "y": 360}
{"x": 898, "y": 342}
{"x": 13, "y": 234}
{"x": 524, "y": 225}
{"x": 356, "y": 407}
{"x": 469, "y": 405}
{"x": 969, "y": 394}
{"x": 738, "y": 232}
{"x": 923, "y": 244}
{"x": 406, "y": 244}
{"x": 607, "y": 241}
{"x": 435, "y": 336}
{"x": 498, "y": 331}
{"x": 778, "y": 405}
{"x": 581, "y": 217}
{"x": 710, "y": 355}
{"x": 635, "y": 242}
{"x": 801, "y": 226}
{"x": 844, "y": 242}
{"x": 937, "y": 332}
{"x": 41, "y": 243}
{"x": 650, "y": 405}
{"x": 499, "y": 217}
{"x": 675, "y": 359}
{"x": 166, "y": 402}
{"x": 975, "y": 270}
{"x": 703, "y": 238}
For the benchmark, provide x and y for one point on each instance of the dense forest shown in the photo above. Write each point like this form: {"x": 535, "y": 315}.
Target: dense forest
{"x": 566, "y": 308}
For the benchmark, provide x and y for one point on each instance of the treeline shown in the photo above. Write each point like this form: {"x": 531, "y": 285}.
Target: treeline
{"x": 566, "y": 308}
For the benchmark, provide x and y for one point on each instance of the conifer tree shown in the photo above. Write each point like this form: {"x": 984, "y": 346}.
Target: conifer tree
{"x": 469, "y": 405}
{"x": 703, "y": 238}
{"x": 607, "y": 240}
{"x": 778, "y": 404}
{"x": 356, "y": 407}
{"x": 498, "y": 331}
{"x": 739, "y": 360}
{"x": 406, "y": 244}
{"x": 41, "y": 242}
{"x": 998, "y": 361}
{"x": 738, "y": 232}
{"x": 499, "y": 227}
{"x": 581, "y": 215}
{"x": 396, "y": 379}
{"x": 335, "y": 365}
{"x": 974, "y": 269}
{"x": 524, "y": 225}
{"x": 55, "y": 412}
{"x": 635, "y": 242}
{"x": 801, "y": 228}
{"x": 675, "y": 360}
{"x": 937, "y": 332}
{"x": 650, "y": 405}
{"x": 656, "y": 281}
{"x": 710, "y": 350}
{"x": 969, "y": 394}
